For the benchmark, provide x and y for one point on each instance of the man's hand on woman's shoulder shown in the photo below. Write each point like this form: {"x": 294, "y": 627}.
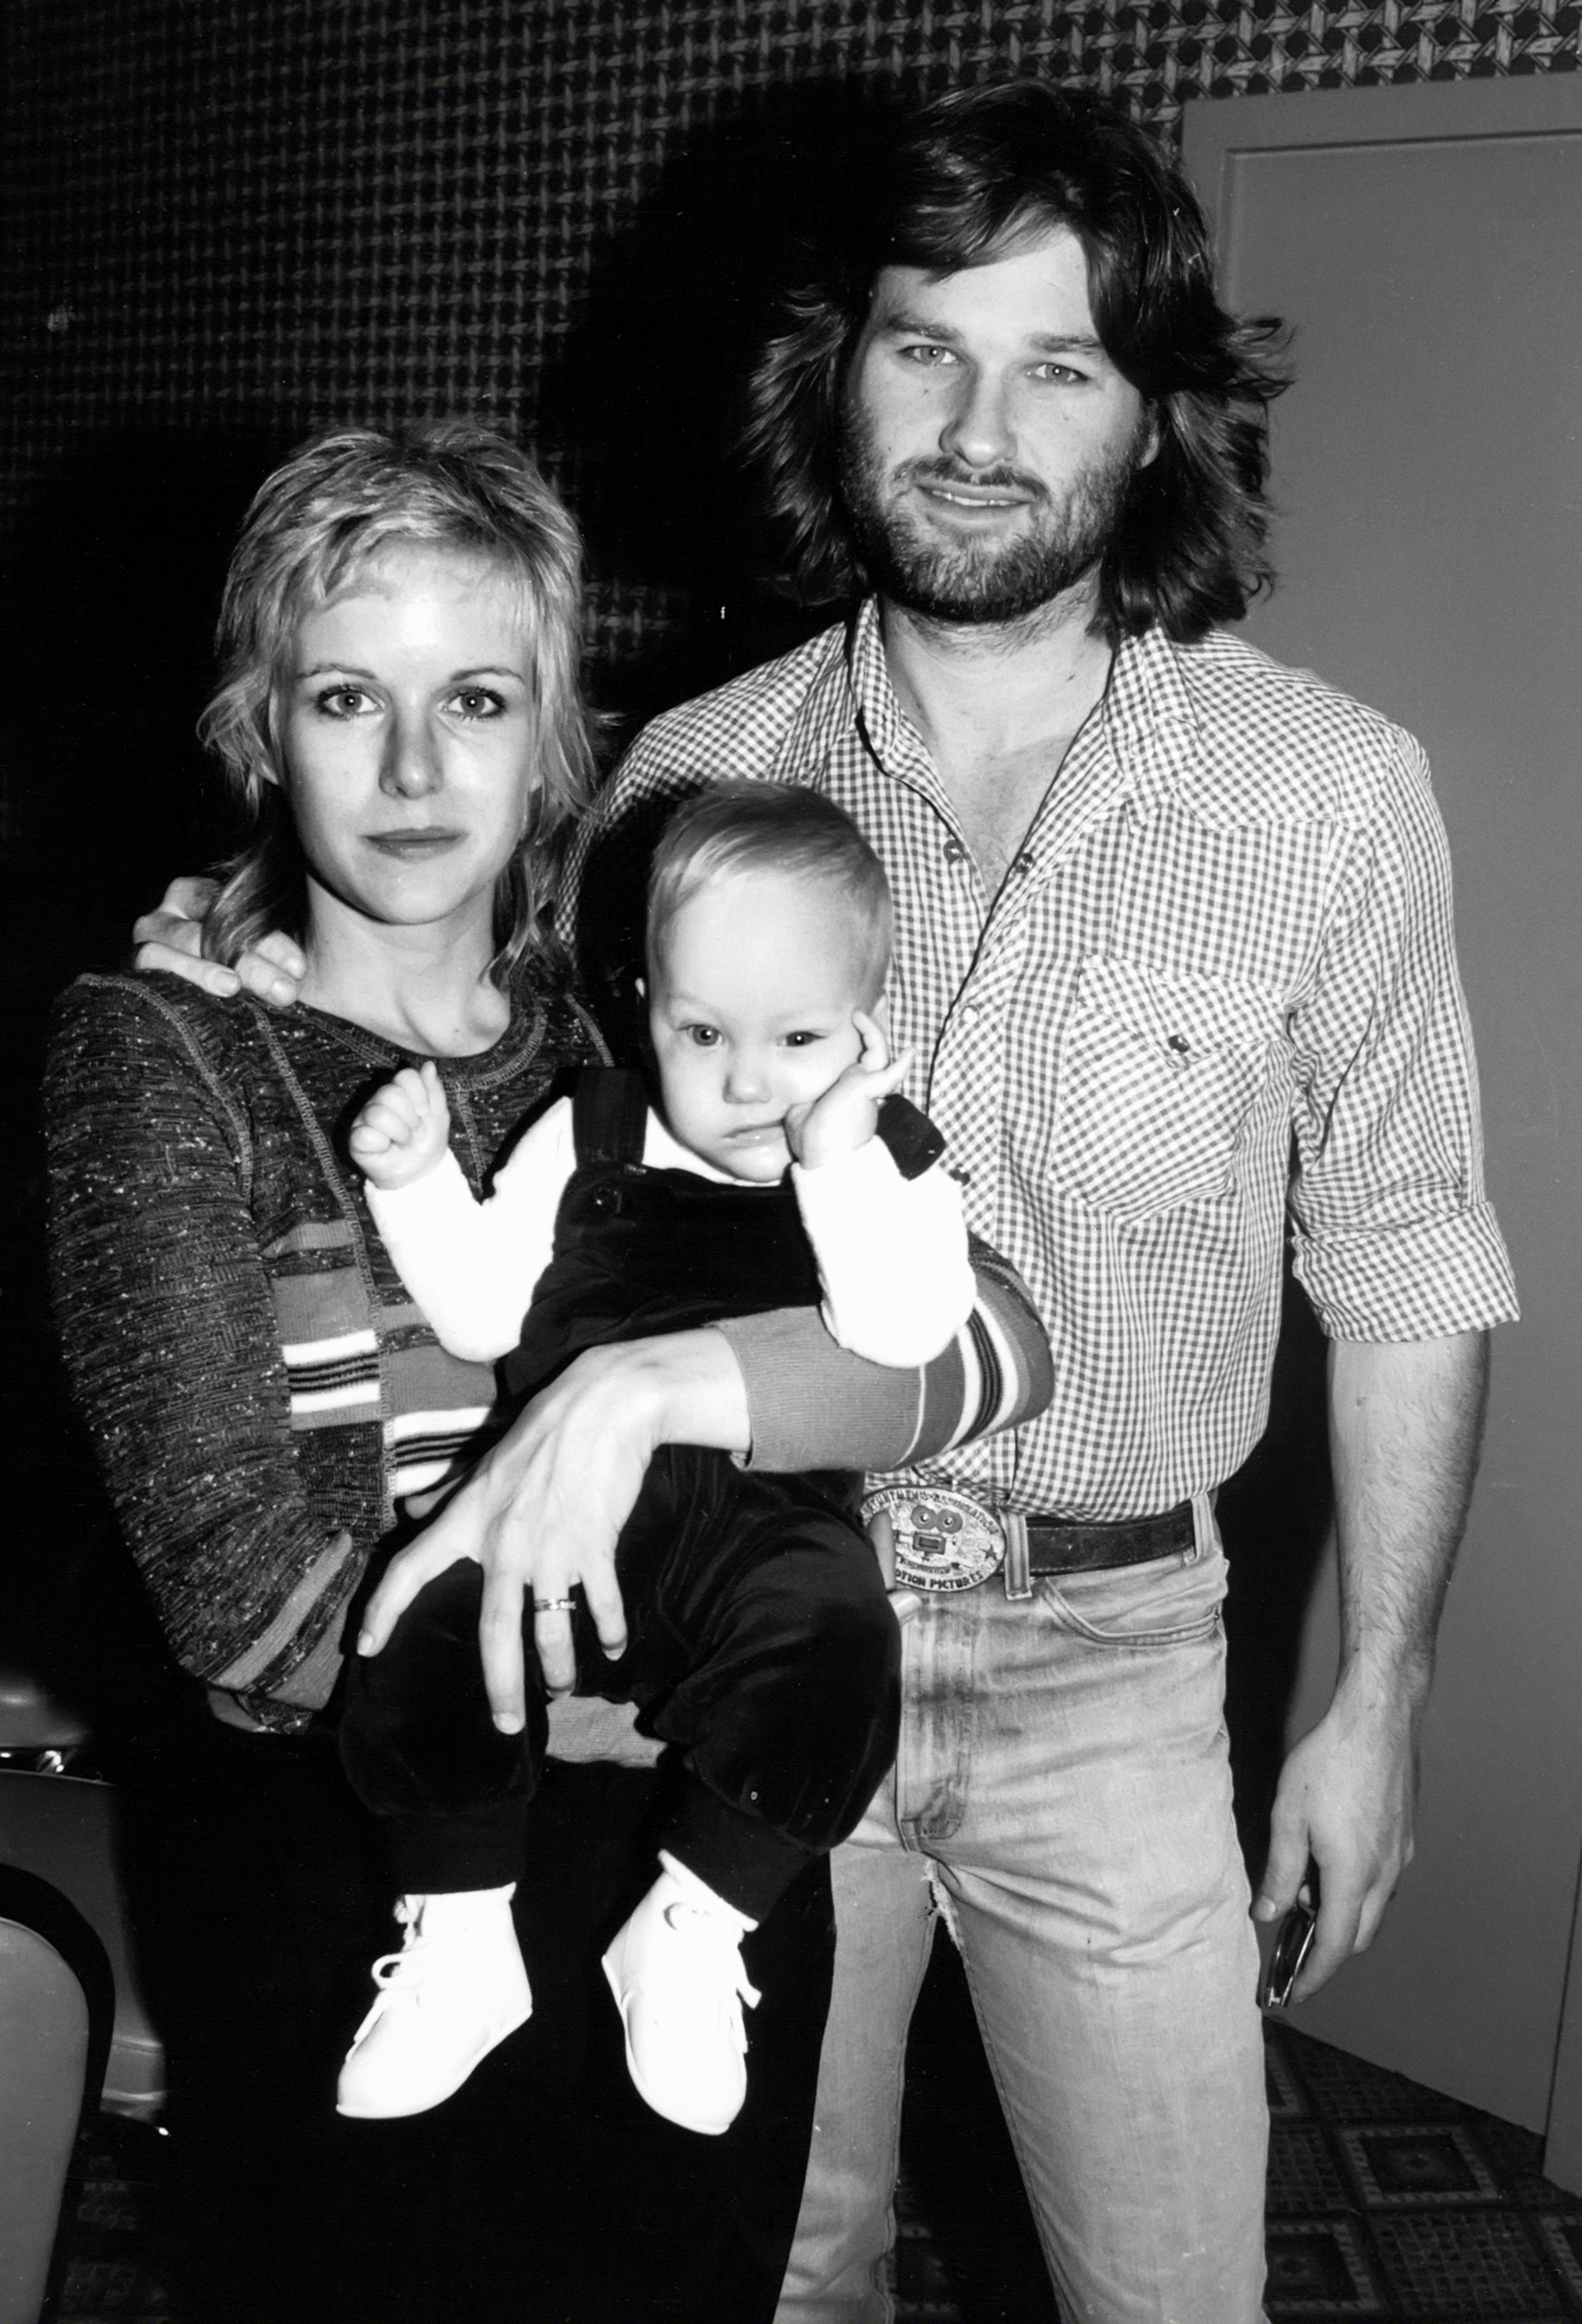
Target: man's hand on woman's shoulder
{"x": 171, "y": 938}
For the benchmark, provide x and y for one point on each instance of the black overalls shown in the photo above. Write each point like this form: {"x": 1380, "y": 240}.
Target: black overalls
{"x": 761, "y": 1643}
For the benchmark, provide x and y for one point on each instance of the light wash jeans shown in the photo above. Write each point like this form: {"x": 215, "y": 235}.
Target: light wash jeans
{"x": 1063, "y": 1791}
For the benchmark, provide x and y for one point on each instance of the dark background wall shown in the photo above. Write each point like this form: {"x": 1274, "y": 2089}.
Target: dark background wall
{"x": 229, "y": 221}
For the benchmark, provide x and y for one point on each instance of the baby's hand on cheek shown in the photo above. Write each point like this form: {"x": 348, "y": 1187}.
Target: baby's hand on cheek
{"x": 845, "y": 1117}
{"x": 403, "y": 1129}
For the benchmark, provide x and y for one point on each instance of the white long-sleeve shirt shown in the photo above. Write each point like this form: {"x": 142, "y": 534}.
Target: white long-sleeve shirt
{"x": 891, "y": 1251}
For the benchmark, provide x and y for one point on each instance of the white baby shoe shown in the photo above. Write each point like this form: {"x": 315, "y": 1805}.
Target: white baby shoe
{"x": 452, "y": 1994}
{"x": 676, "y": 1974}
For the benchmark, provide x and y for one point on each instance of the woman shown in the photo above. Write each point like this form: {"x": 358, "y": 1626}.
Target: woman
{"x": 400, "y": 725}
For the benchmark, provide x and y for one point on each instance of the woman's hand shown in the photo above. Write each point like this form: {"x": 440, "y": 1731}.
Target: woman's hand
{"x": 172, "y": 938}
{"x": 542, "y": 1511}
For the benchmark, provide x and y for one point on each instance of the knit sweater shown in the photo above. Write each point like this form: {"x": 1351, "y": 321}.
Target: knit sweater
{"x": 257, "y": 1381}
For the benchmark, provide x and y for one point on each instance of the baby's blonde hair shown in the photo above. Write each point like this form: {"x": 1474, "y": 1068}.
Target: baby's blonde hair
{"x": 746, "y": 826}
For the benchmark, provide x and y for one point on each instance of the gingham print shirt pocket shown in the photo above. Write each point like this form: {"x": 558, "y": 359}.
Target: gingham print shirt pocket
{"x": 1156, "y": 1078}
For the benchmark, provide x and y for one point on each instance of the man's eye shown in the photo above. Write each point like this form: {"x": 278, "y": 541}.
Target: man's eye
{"x": 925, "y": 354}
{"x": 1060, "y": 374}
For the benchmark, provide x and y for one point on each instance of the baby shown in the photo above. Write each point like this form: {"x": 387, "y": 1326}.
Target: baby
{"x": 773, "y": 1166}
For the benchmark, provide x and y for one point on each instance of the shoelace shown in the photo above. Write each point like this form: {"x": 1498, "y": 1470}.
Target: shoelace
{"x": 718, "y": 1933}
{"x": 393, "y": 1970}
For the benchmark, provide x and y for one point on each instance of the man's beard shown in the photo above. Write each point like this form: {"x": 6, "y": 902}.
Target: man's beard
{"x": 979, "y": 581}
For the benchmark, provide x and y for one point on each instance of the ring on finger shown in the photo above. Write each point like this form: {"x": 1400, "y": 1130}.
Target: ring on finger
{"x": 553, "y": 1605}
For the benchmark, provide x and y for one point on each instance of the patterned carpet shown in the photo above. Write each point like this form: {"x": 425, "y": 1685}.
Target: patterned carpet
{"x": 1385, "y": 2201}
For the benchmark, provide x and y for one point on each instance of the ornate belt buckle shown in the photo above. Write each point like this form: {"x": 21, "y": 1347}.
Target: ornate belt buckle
{"x": 943, "y": 1540}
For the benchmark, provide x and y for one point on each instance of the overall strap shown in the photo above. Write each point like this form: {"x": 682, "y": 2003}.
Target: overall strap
{"x": 608, "y": 1116}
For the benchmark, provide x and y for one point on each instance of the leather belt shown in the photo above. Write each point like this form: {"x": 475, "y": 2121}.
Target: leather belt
{"x": 945, "y": 1538}
{"x": 1055, "y": 1548}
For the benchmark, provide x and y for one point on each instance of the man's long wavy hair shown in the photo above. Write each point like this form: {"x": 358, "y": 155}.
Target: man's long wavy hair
{"x": 317, "y": 524}
{"x": 976, "y": 176}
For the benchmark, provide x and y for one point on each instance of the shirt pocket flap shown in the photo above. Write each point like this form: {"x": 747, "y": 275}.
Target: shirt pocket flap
{"x": 1157, "y": 1076}
{"x": 1183, "y": 1017}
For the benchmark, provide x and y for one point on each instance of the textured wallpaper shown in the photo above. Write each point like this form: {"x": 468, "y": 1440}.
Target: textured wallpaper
{"x": 231, "y": 221}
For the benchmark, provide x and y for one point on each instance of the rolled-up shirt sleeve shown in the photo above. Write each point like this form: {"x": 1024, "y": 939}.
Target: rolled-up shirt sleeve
{"x": 1393, "y": 1235}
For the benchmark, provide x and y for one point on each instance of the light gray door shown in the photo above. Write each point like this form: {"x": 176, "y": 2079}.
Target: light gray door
{"x": 1426, "y": 244}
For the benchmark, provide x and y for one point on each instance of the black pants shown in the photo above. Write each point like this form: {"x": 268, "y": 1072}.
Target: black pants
{"x": 761, "y": 1644}
{"x": 544, "y": 2191}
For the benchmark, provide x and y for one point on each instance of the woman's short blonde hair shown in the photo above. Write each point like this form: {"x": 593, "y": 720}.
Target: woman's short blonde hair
{"x": 316, "y": 523}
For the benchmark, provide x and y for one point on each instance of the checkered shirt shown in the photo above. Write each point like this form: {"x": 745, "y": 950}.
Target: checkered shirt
{"x": 1215, "y": 1001}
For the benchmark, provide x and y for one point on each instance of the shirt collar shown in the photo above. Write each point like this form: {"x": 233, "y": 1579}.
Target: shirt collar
{"x": 851, "y": 696}
{"x": 1149, "y": 718}
{"x": 827, "y": 711}
{"x": 1147, "y": 725}
{"x": 890, "y": 733}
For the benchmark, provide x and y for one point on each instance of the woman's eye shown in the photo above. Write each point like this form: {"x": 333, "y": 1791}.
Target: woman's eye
{"x": 341, "y": 701}
{"x": 478, "y": 702}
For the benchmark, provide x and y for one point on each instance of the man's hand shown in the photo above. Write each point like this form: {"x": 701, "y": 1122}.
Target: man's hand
{"x": 846, "y": 1116}
{"x": 1405, "y": 1419}
{"x": 1346, "y": 1798}
{"x": 542, "y": 1511}
{"x": 403, "y": 1129}
{"x": 172, "y": 938}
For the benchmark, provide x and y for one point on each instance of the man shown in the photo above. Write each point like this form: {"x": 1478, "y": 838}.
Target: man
{"x": 1174, "y": 953}
{"x": 1163, "y": 909}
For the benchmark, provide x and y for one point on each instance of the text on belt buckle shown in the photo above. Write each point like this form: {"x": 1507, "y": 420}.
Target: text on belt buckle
{"x": 943, "y": 1540}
